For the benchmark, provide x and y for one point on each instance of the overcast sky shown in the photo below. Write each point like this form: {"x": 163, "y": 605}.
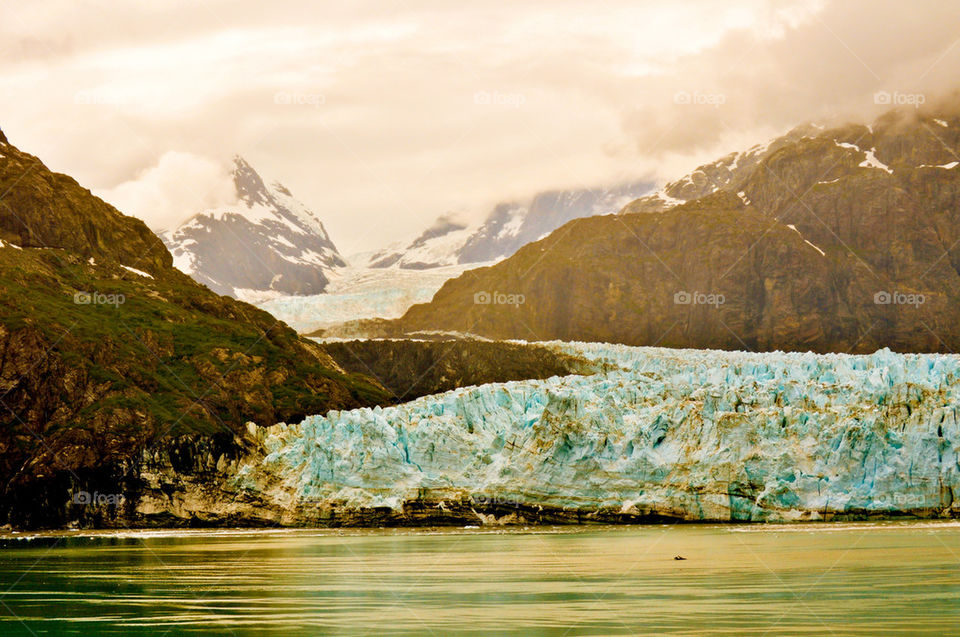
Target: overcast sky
{"x": 381, "y": 116}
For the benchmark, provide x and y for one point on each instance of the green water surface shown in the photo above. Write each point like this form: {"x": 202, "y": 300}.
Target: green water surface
{"x": 823, "y": 579}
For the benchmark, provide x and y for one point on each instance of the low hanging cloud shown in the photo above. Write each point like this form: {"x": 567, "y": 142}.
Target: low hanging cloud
{"x": 178, "y": 186}
{"x": 837, "y": 64}
{"x": 382, "y": 117}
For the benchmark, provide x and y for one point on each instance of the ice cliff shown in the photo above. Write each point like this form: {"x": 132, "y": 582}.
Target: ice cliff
{"x": 691, "y": 434}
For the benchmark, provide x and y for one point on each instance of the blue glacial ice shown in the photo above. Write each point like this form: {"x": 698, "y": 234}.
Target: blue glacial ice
{"x": 693, "y": 434}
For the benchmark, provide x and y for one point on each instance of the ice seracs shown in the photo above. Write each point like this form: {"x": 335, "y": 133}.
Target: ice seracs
{"x": 692, "y": 434}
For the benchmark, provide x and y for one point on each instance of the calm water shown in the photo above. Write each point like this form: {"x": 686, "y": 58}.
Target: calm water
{"x": 842, "y": 579}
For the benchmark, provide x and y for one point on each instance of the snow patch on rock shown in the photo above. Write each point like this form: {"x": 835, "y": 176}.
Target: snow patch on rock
{"x": 146, "y": 275}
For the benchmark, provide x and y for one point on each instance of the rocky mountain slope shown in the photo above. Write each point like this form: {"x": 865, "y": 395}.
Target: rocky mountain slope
{"x": 841, "y": 239}
{"x": 267, "y": 242}
{"x": 508, "y": 227}
{"x": 114, "y": 365}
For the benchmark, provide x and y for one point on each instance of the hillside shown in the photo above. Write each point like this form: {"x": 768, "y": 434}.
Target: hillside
{"x": 115, "y": 366}
{"x": 413, "y": 368}
{"x": 841, "y": 239}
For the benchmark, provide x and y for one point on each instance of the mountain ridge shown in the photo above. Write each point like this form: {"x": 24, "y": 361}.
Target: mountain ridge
{"x": 835, "y": 239}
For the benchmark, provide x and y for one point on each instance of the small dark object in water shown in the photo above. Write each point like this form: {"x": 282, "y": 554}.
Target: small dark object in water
{"x": 678, "y": 557}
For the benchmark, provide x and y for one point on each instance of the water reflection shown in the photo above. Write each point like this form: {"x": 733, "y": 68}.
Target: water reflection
{"x": 816, "y": 579}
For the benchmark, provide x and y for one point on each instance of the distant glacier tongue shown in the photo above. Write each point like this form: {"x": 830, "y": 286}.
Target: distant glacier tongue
{"x": 690, "y": 434}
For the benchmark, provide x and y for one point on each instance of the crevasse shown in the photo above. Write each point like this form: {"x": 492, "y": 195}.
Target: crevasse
{"x": 700, "y": 435}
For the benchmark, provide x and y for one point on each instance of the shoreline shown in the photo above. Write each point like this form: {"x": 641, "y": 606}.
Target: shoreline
{"x": 905, "y": 521}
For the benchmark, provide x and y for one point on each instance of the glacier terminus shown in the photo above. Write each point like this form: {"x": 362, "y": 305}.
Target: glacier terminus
{"x": 658, "y": 434}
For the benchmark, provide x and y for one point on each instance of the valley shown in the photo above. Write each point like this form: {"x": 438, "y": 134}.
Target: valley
{"x": 123, "y": 376}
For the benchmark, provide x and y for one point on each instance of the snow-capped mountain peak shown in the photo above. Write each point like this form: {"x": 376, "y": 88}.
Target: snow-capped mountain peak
{"x": 266, "y": 242}
{"x": 434, "y": 247}
{"x": 508, "y": 227}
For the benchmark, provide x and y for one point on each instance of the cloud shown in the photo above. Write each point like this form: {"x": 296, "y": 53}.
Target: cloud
{"x": 383, "y": 117}
{"x": 177, "y": 187}
{"x": 828, "y": 66}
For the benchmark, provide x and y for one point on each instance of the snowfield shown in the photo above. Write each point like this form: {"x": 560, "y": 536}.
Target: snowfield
{"x": 358, "y": 293}
{"x": 698, "y": 435}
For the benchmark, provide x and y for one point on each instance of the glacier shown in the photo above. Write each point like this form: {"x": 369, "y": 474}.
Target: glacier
{"x": 659, "y": 433}
{"x": 358, "y": 293}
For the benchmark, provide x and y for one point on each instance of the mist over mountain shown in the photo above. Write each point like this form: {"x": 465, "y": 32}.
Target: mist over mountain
{"x": 506, "y": 228}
